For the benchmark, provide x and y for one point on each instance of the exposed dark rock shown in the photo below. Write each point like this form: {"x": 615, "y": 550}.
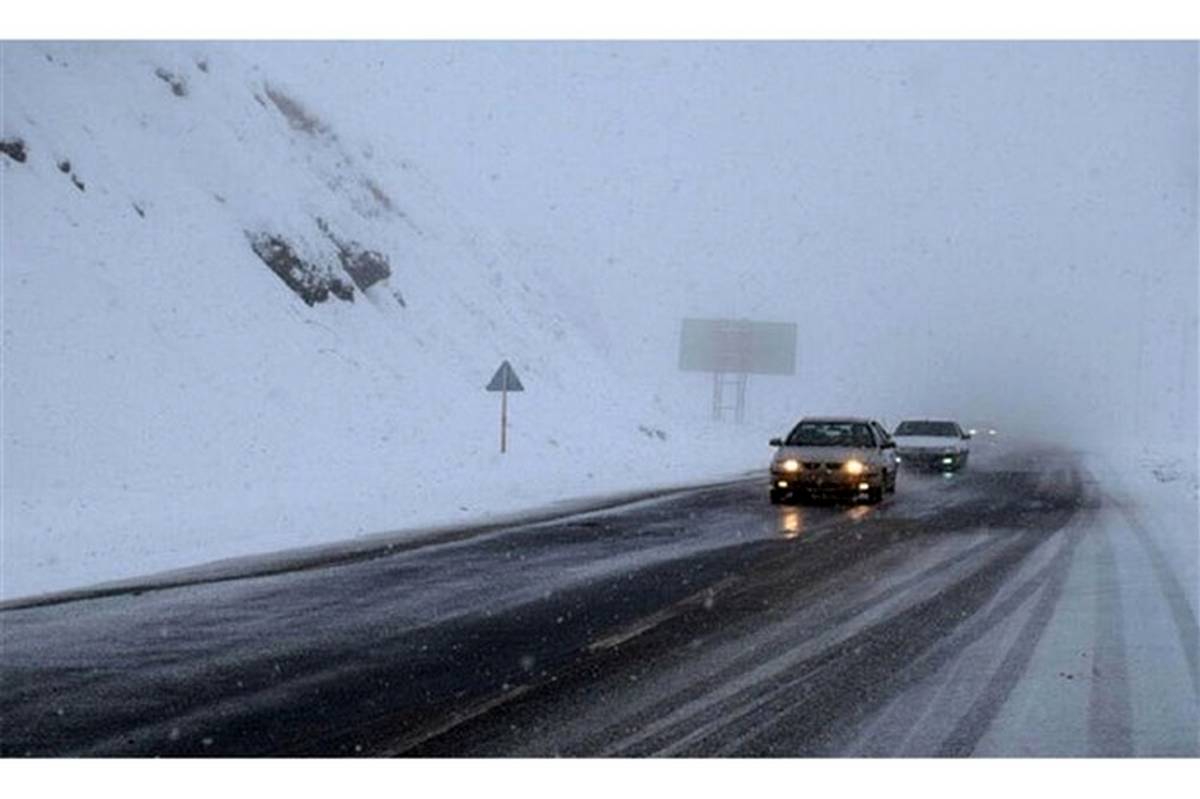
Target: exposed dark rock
{"x": 78, "y": 183}
{"x": 178, "y": 84}
{"x": 652, "y": 432}
{"x": 365, "y": 267}
{"x": 64, "y": 166}
{"x": 296, "y": 114}
{"x": 312, "y": 282}
{"x": 381, "y": 197}
{"x": 202, "y": 64}
{"x": 140, "y": 210}
{"x": 14, "y": 149}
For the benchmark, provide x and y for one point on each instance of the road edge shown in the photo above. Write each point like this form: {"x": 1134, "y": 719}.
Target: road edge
{"x": 361, "y": 548}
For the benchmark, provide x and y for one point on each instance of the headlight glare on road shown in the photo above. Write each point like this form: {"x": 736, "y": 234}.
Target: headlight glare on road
{"x": 854, "y": 467}
{"x": 790, "y": 465}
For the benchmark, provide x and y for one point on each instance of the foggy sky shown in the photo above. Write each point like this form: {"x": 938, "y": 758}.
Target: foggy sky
{"x": 990, "y": 230}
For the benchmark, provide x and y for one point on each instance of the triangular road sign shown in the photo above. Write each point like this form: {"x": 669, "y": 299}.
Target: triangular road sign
{"x": 505, "y": 379}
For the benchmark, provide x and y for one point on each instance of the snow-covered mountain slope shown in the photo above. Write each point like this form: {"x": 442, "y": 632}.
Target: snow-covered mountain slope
{"x": 227, "y": 330}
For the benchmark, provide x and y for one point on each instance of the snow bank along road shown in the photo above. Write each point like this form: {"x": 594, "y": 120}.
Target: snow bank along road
{"x": 1015, "y": 609}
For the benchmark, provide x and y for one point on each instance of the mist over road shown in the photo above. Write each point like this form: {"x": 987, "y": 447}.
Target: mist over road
{"x": 706, "y": 623}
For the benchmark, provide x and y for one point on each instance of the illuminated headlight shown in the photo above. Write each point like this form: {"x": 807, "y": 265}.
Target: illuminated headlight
{"x": 864, "y": 486}
{"x": 854, "y": 467}
{"x": 789, "y": 465}
{"x": 972, "y": 431}
{"x": 947, "y": 460}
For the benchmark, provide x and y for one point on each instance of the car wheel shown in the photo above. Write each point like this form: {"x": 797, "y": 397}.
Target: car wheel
{"x": 777, "y": 497}
{"x": 890, "y": 484}
{"x": 875, "y": 493}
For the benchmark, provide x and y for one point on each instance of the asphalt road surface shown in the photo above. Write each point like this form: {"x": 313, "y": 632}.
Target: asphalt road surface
{"x": 704, "y": 623}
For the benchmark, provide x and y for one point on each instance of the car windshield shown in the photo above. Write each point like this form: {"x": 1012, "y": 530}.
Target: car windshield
{"x": 831, "y": 434}
{"x": 945, "y": 429}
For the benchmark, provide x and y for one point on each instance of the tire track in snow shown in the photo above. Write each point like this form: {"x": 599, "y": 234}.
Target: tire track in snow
{"x": 1049, "y": 582}
{"x": 1110, "y": 717}
{"x": 1182, "y": 614}
{"x": 809, "y": 696}
{"x": 890, "y": 658}
{"x": 725, "y": 693}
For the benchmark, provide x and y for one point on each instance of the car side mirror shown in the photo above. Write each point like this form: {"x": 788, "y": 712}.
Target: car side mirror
{"x": 966, "y": 436}
{"x": 776, "y": 442}
{"x": 888, "y": 445}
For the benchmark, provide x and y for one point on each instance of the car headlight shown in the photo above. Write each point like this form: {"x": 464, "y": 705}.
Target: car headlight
{"x": 789, "y": 465}
{"x": 854, "y": 467}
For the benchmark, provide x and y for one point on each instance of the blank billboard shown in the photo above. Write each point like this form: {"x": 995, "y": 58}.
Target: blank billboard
{"x": 738, "y": 345}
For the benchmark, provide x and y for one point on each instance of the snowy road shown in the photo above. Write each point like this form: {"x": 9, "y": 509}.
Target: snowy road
{"x": 1023, "y": 607}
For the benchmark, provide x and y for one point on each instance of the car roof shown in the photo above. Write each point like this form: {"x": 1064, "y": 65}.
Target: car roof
{"x": 856, "y": 419}
{"x": 938, "y": 421}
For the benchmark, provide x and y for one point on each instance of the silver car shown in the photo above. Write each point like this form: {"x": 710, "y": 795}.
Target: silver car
{"x": 843, "y": 457}
{"x": 933, "y": 444}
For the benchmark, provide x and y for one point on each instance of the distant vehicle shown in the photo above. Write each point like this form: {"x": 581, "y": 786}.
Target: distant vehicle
{"x": 982, "y": 430}
{"x": 932, "y": 444}
{"x": 841, "y": 457}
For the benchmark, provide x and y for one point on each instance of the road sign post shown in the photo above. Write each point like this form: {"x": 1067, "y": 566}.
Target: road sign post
{"x": 504, "y": 381}
{"x": 504, "y": 420}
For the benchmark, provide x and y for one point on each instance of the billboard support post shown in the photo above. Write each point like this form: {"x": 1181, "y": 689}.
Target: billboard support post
{"x": 721, "y": 382}
{"x": 732, "y": 350}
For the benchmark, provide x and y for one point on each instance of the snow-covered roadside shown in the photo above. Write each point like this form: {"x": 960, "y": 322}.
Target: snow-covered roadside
{"x": 1159, "y": 491}
{"x": 494, "y": 488}
{"x": 1114, "y": 671}
{"x": 169, "y": 399}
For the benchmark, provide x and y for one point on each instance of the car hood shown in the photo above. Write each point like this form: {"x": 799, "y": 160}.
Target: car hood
{"x": 930, "y": 442}
{"x": 829, "y": 454}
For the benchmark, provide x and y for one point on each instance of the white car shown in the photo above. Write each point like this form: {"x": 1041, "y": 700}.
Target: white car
{"x": 935, "y": 444}
{"x": 842, "y": 456}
